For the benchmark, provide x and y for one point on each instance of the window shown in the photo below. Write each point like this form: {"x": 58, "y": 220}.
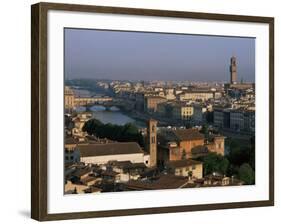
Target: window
{"x": 193, "y": 167}
{"x": 153, "y": 139}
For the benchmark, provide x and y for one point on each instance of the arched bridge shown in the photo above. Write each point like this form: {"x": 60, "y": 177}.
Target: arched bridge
{"x": 107, "y": 102}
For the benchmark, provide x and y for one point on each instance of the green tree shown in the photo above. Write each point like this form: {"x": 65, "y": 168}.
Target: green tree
{"x": 246, "y": 173}
{"x": 214, "y": 162}
{"x": 223, "y": 165}
{"x": 239, "y": 155}
{"x": 205, "y": 130}
{"x": 123, "y": 133}
{"x": 252, "y": 152}
{"x": 92, "y": 126}
{"x": 240, "y": 152}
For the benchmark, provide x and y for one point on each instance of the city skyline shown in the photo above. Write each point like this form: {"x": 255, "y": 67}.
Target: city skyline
{"x": 156, "y": 56}
{"x": 129, "y": 135}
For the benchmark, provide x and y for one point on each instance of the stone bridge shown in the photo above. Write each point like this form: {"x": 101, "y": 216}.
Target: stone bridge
{"x": 107, "y": 102}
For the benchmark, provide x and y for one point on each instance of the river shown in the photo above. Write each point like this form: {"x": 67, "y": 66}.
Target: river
{"x": 113, "y": 115}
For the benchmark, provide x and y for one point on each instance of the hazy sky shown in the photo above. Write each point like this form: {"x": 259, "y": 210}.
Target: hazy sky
{"x": 154, "y": 56}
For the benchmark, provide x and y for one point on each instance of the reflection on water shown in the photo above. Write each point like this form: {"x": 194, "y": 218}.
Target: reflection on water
{"x": 80, "y": 109}
{"x": 113, "y": 115}
{"x": 97, "y": 108}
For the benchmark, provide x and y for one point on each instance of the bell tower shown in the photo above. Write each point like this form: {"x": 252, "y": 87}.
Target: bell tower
{"x": 152, "y": 141}
{"x": 219, "y": 144}
{"x": 233, "y": 70}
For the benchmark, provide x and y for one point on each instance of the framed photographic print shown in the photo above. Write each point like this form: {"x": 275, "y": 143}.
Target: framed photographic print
{"x": 141, "y": 111}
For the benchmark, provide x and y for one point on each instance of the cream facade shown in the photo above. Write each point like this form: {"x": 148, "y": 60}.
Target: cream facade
{"x": 170, "y": 95}
{"x": 71, "y": 101}
{"x": 195, "y": 170}
{"x": 69, "y": 98}
{"x": 196, "y": 95}
{"x": 186, "y": 168}
{"x": 79, "y": 122}
{"x": 134, "y": 158}
{"x": 182, "y": 112}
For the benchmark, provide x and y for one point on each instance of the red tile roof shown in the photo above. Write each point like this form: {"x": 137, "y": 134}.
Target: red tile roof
{"x": 188, "y": 134}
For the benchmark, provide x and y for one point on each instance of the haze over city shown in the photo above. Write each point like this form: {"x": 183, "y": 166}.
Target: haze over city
{"x": 120, "y": 55}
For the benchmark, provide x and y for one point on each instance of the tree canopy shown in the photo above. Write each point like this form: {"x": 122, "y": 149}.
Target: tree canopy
{"x": 214, "y": 162}
{"x": 205, "y": 130}
{"x": 241, "y": 153}
{"x": 122, "y": 133}
{"x": 246, "y": 173}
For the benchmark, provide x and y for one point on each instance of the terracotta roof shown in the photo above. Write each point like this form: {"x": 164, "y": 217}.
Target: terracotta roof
{"x": 199, "y": 149}
{"x": 164, "y": 182}
{"x": 156, "y": 97}
{"x": 138, "y": 165}
{"x": 182, "y": 163}
{"x": 116, "y": 148}
{"x": 88, "y": 179}
{"x": 92, "y": 189}
{"x": 120, "y": 164}
{"x": 199, "y": 91}
{"x": 149, "y": 172}
{"x": 213, "y": 136}
{"x": 109, "y": 173}
{"x": 126, "y": 164}
{"x": 188, "y": 134}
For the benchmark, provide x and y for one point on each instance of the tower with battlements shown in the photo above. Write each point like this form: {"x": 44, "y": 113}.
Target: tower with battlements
{"x": 233, "y": 70}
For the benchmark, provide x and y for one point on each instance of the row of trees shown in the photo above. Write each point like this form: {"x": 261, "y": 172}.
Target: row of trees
{"x": 239, "y": 162}
{"x": 122, "y": 133}
{"x": 242, "y": 160}
{"x": 218, "y": 163}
